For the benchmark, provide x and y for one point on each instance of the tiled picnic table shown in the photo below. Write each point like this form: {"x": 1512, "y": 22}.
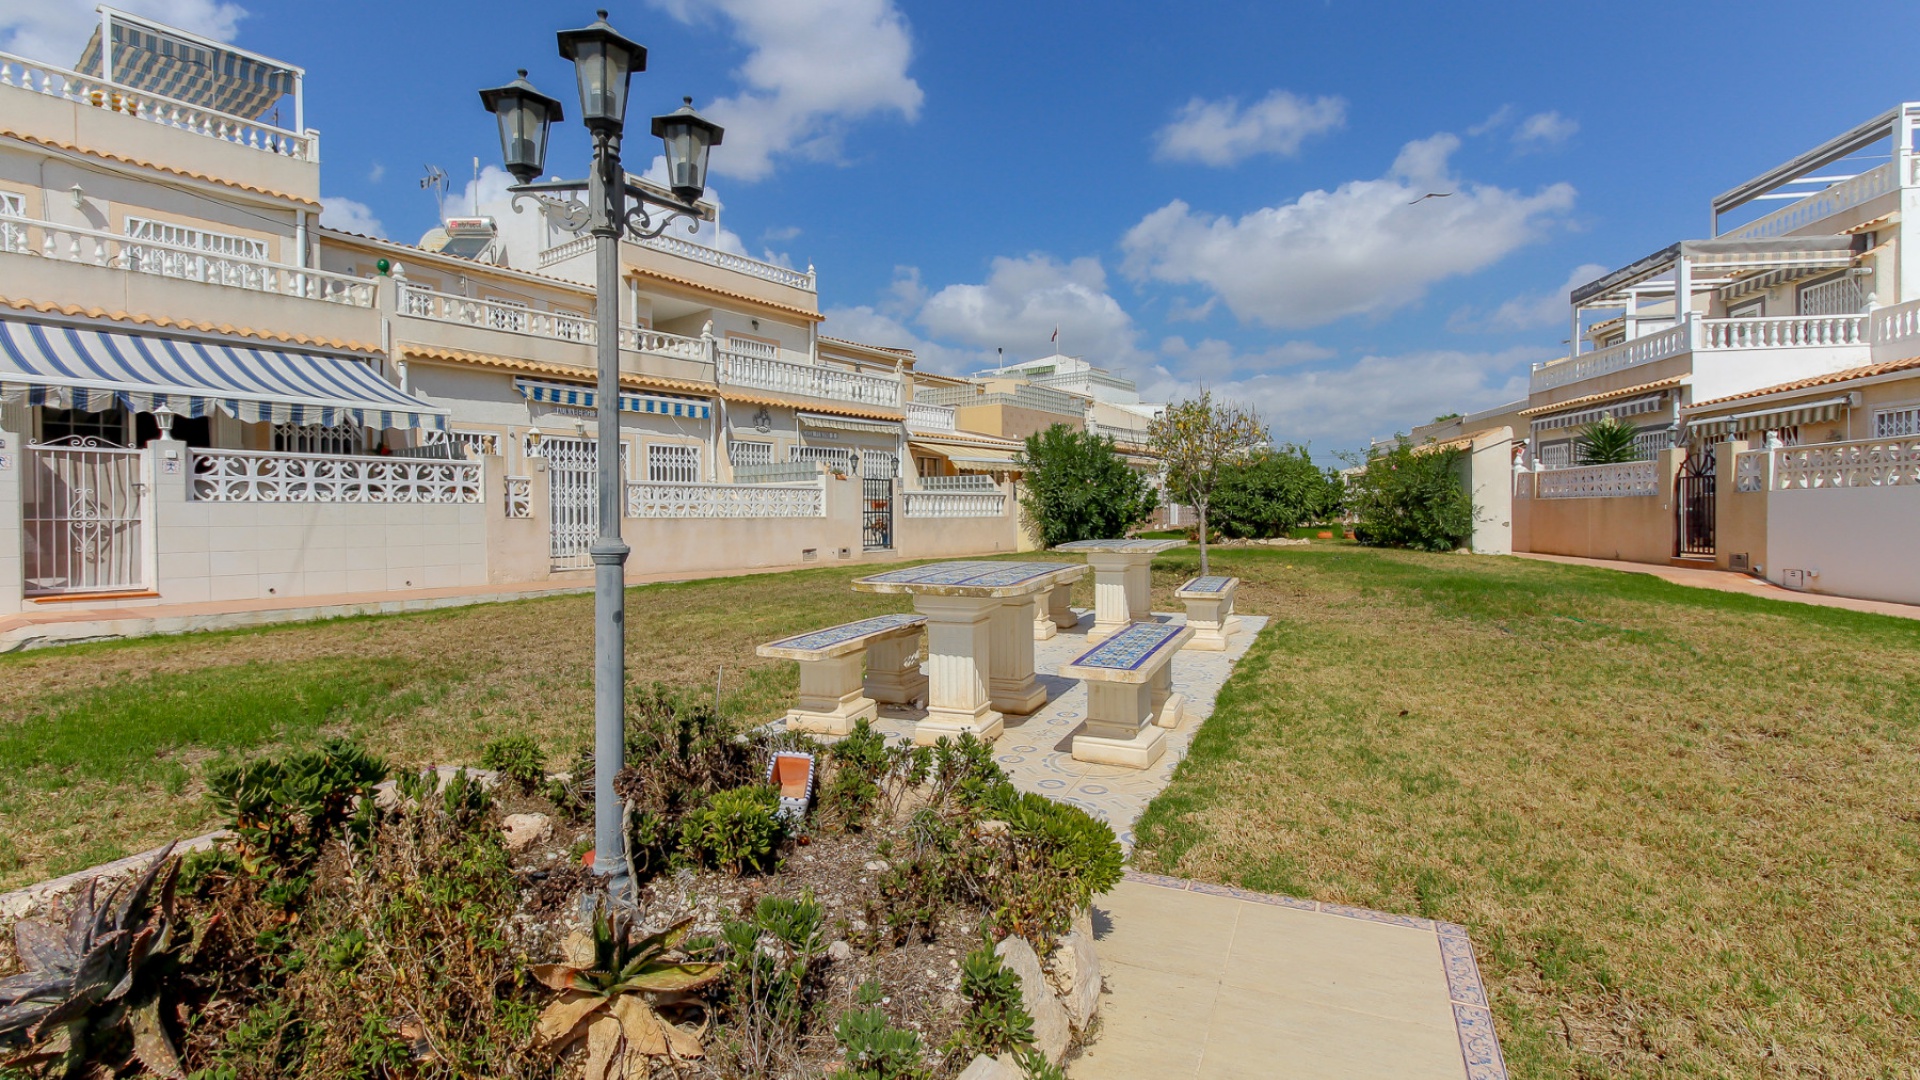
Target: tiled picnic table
{"x": 980, "y": 618}
{"x": 1122, "y": 578}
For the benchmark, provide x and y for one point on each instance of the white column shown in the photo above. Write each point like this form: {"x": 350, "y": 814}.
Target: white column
{"x": 959, "y": 643}
{"x": 12, "y": 545}
{"x": 832, "y": 699}
{"x": 1010, "y": 682}
{"x": 1112, "y": 610}
{"x": 1682, "y": 289}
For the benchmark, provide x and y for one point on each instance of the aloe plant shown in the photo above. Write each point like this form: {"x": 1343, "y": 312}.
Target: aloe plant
{"x": 95, "y": 975}
{"x": 610, "y": 992}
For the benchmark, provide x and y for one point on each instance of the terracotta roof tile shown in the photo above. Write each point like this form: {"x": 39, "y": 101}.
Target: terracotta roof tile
{"x": 1571, "y": 403}
{"x": 56, "y": 144}
{"x": 414, "y": 351}
{"x": 142, "y": 319}
{"x": 685, "y": 283}
{"x": 1828, "y": 379}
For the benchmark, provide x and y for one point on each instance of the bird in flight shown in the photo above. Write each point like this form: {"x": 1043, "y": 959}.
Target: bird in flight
{"x": 1431, "y": 195}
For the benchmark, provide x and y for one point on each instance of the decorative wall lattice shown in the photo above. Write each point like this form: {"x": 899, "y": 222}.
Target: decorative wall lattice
{"x": 1865, "y": 463}
{"x": 1627, "y": 479}
{"x": 652, "y": 500}
{"x": 251, "y": 476}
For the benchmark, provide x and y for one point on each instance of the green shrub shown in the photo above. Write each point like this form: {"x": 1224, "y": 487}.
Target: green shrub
{"x": 1078, "y": 487}
{"x": 1272, "y": 493}
{"x": 1035, "y": 1066}
{"x": 1412, "y": 498}
{"x": 736, "y": 830}
{"x": 679, "y": 753}
{"x": 1608, "y": 441}
{"x": 1052, "y": 861}
{"x": 518, "y": 759}
{"x": 876, "y": 1050}
{"x": 771, "y": 958}
{"x": 996, "y": 1020}
{"x": 283, "y": 809}
{"x": 964, "y": 769}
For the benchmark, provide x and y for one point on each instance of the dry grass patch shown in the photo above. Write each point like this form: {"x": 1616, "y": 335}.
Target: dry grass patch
{"x": 1681, "y": 825}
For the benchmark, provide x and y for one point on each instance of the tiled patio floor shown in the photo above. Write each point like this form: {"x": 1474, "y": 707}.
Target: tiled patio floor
{"x": 1037, "y": 750}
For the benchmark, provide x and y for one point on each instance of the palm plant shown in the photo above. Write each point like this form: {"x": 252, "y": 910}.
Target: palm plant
{"x": 95, "y": 979}
{"x": 611, "y": 989}
{"x": 1608, "y": 441}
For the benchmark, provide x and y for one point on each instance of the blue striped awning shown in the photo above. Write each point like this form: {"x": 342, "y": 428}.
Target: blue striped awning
{"x": 146, "y": 58}
{"x": 583, "y": 397}
{"x": 70, "y": 368}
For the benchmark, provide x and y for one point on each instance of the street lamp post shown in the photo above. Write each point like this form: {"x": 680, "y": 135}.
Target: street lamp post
{"x": 603, "y": 61}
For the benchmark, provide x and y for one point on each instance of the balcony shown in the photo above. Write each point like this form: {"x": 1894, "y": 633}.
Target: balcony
{"x": 1842, "y": 334}
{"x": 759, "y": 372}
{"x": 93, "y": 247}
{"x": 1834, "y": 199}
{"x": 1038, "y": 398}
{"x": 1132, "y": 436}
{"x": 924, "y": 417}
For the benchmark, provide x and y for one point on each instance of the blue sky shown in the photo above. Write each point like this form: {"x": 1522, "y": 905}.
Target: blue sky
{"x": 1196, "y": 194}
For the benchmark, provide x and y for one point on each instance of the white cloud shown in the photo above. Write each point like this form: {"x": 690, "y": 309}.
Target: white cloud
{"x": 1543, "y": 130}
{"x": 1366, "y": 248}
{"x": 348, "y": 215}
{"x": 814, "y": 66}
{"x": 54, "y": 31}
{"x": 1501, "y": 117}
{"x": 376, "y": 173}
{"x": 781, "y": 234}
{"x": 1222, "y": 133}
{"x": 1025, "y": 299}
{"x": 488, "y": 192}
{"x": 1211, "y": 360}
{"x": 1529, "y": 312}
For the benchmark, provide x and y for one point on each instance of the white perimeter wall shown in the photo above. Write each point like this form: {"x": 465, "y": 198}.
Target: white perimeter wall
{"x": 1859, "y": 539}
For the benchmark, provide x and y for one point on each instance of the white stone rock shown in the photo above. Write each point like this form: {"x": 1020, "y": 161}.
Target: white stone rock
{"x": 985, "y": 1068}
{"x": 525, "y": 830}
{"x": 1052, "y": 1028}
{"x": 876, "y": 866}
{"x": 1075, "y": 971}
{"x": 840, "y": 952}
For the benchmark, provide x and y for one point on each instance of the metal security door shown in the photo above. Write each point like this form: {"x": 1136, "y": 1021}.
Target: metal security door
{"x": 573, "y": 507}
{"x": 1694, "y": 503}
{"x": 84, "y": 517}
{"x": 876, "y": 518}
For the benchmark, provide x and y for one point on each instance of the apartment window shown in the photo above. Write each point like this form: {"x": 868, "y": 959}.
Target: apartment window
{"x": 317, "y": 439}
{"x": 1750, "y": 309}
{"x": 837, "y": 458}
{"x": 505, "y": 314}
{"x": 673, "y": 463}
{"x": 1556, "y": 455}
{"x": 213, "y": 243}
{"x": 750, "y": 453}
{"x": 879, "y": 463}
{"x": 1835, "y": 296}
{"x": 107, "y": 426}
{"x": 13, "y": 236}
{"x": 476, "y": 442}
{"x": 1896, "y": 423}
{"x": 926, "y": 466}
{"x": 1648, "y": 443}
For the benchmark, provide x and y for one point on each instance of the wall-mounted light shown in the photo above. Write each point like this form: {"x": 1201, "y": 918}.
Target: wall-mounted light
{"x": 79, "y": 197}
{"x": 534, "y": 438}
{"x": 756, "y": 324}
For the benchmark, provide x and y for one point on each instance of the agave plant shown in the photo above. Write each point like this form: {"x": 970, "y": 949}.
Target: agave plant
{"x": 95, "y": 976}
{"x": 1608, "y": 441}
{"x": 611, "y": 991}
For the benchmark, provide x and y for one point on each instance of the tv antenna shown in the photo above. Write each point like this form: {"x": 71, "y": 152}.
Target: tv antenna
{"x": 436, "y": 182}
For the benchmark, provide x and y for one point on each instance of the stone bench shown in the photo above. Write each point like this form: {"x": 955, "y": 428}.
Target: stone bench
{"x": 1130, "y": 696}
{"x": 833, "y": 694}
{"x": 1209, "y": 603}
{"x": 1052, "y": 613}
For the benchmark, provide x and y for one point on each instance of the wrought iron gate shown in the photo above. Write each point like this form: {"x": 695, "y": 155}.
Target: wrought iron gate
{"x": 84, "y": 517}
{"x": 1694, "y": 504}
{"x": 876, "y": 518}
{"x": 573, "y": 506}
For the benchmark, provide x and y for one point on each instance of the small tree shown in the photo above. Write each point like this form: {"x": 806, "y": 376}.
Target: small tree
{"x": 1608, "y": 441}
{"x": 1078, "y": 488}
{"x": 1195, "y": 439}
{"x": 1412, "y": 497}
{"x": 1273, "y": 491}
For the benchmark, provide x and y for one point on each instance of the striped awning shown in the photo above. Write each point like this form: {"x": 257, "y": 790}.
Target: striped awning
{"x": 71, "y": 368}
{"x": 578, "y": 396}
{"x": 842, "y": 423}
{"x": 1811, "y": 412}
{"x": 147, "y": 58}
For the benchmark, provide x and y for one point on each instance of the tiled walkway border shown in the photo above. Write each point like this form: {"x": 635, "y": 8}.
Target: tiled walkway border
{"x": 1479, "y": 1046}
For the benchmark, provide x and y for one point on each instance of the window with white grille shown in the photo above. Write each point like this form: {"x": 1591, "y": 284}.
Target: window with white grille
{"x": 1896, "y": 423}
{"x": 316, "y": 439}
{"x": 213, "y": 243}
{"x": 1648, "y": 443}
{"x": 1556, "y": 455}
{"x": 746, "y": 346}
{"x": 879, "y": 463}
{"x": 477, "y": 442}
{"x": 747, "y": 452}
{"x": 1835, "y": 296}
{"x": 505, "y": 314}
{"x": 673, "y": 463}
{"x": 13, "y": 237}
{"x": 838, "y": 458}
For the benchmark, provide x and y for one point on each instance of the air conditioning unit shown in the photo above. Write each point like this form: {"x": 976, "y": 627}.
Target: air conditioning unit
{"x": 809, "y": 554}
{"x": 1739, "y": 560}
{"x": 1794, "y": 579}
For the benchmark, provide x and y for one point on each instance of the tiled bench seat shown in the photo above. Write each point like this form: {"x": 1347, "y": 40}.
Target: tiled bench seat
{"x": 833, "y": 695}
{"x": 1130, "y": 696}
{"x": 1209, "y": 602}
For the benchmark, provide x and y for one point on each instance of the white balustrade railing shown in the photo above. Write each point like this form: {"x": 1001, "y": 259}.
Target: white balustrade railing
{"x": 1135, "y": 436}
{"x": 1023, "y": 396}
{"x": 963, "y": 482}
{"x": 808, "y": 380}
{"x": 1626, "y": 479}
{"x": 38, "y": 78}
{"x": 954, "y": 504}
{"x": 519, "y": 496}
{"x": 1858, "y": 464}
{"x": 924, "y": 417}
{"x": 649, "y": 499}
{"x": 260, "y": 477}
{"x": 1642, "y": 350}
{"x": 727, "y": 260}
{"x": 1896, "y": 331}
{"x": 1750, "y": 471}
{"x": 1831, "y": 200}
{"x": 1789, "y": 332}
{"x": 642, "y": 339}
{"x": 424, "y": 303}
{"x": 560, "y": 253}
{"x": 68, "y": 243}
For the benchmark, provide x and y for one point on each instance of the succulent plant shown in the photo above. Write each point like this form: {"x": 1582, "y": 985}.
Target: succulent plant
{"x": 610, "y": 991}
{"x": 94, "y": 975}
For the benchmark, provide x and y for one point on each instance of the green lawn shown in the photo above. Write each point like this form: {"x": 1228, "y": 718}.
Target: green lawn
{"x": 1681, "y": 825}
